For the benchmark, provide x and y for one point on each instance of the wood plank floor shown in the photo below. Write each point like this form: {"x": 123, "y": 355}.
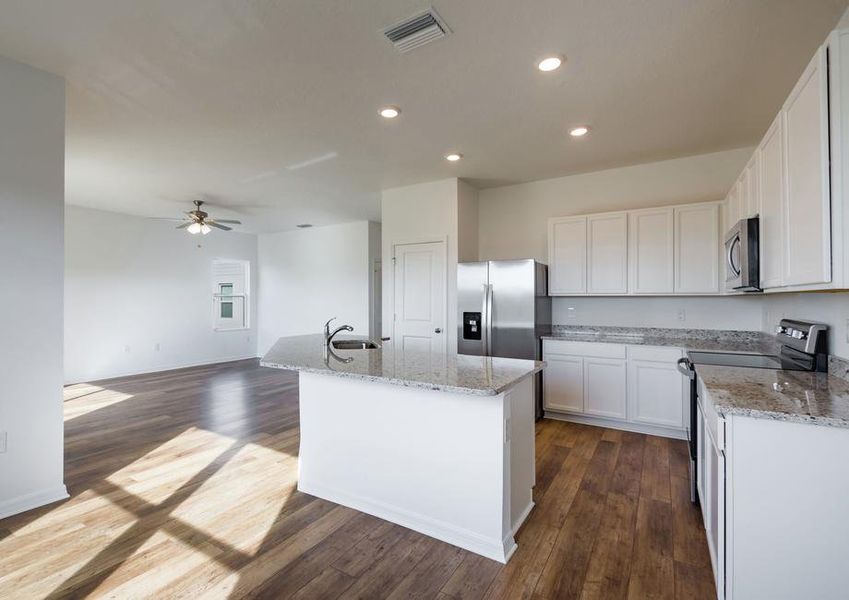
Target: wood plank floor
{"x": 183, "y": 486}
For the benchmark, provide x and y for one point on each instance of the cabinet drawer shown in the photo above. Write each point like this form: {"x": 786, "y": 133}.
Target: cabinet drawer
{"x": 655, "y": 353}
{"x": 588, "y": 349}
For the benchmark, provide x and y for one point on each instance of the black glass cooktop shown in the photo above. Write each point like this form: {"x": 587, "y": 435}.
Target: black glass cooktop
{"x": 751, "y": 361}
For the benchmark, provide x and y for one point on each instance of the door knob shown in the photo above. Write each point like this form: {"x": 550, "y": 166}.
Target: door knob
{"x": 437, "y": 330}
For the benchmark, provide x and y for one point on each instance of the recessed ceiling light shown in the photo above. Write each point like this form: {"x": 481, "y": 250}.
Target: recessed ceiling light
{"x": 390, "y": 112}
{"x": 304, "y": 225}
{"x": 550, "y": 63}
{"x": 453, "y": 157}
{"x": 579, "y": 131}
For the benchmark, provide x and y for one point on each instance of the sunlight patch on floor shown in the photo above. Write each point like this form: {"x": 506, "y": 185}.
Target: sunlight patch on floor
{"x": 240, "y": 516}
{"x": 156, "y": 564}
{"x": 42, "y": 565}
{"x": 162, "y": 471}
{"x": 82, "y": 399}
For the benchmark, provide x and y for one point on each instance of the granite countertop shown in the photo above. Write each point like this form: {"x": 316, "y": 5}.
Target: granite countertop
{"x": 448, "y": 372}
{"x": 796, "y": 396}
{"x": 743, "y": 342}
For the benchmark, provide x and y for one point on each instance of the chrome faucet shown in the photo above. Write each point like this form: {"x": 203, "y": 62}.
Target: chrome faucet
{"x": 328, "y": 335}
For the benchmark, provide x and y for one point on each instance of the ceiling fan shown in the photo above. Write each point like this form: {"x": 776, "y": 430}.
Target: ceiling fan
{"x": 199, "y": 221}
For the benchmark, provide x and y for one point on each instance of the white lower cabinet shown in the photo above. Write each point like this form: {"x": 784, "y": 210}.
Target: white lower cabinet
{"x": 636, "y": 388}
{"x": 655, "y": 392}
{"x": 563, "y": 383}
{"x": 604, "y": 387}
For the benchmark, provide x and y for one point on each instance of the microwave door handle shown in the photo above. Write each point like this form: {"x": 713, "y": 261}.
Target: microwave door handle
{"x": 729, "y": 251}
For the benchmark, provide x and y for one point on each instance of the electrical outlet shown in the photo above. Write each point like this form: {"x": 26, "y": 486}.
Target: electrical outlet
{"x": 847, "y": 330}
{"x": 2, "y": 442}
{"x": 682, "y": 314}
{"x": 571, "y": 313}
{"x": 156, "y": 347}
{"x": 127, "y": 349}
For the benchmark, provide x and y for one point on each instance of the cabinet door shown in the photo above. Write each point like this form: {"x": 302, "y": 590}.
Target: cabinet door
{"x": 567, "y": 256}
{"x": 563, "y": 383}
{"x": 752, "y": 206}
{"x": 604, "y": 387}
{"x": 697, "y": 249}
{"x": 607, "y": 254}
{"x": 732, "y": 207}
{"x": 655, "y": 393}
{"x": 743, "y": 194}
{"x": 807, "y": 212}
{"x": 772, "y": 192}
{"x": 700, "y": 458}
{"x": 650, "y": 256}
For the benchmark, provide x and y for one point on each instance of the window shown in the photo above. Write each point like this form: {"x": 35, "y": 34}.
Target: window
{"x": 230, "y": 286}
{"x": 225, "y": 291}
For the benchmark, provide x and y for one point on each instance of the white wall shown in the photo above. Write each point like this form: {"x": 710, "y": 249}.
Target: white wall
{"x": 32, "y": 145}
{"x": 132, "y": 283}
{"x": 742, "y": 313}
{"x": 513, "y": 219}
{"x": 309, "y": 275}
{"x": 426, "y": 212}
{"x": 375, "y": 280}
{"x": 468, "y": 224}
{"x": 831, "y": 308}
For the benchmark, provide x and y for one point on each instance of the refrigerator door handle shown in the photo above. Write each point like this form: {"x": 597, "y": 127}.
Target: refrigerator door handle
{"x": 488, "y": 299}
{"x": 485, "y": 321}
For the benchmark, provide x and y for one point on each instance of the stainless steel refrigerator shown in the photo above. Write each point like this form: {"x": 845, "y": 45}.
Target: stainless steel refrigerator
{"x": 503, "y": 310}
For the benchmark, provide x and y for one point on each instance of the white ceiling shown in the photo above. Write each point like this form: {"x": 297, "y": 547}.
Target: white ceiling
{"x": 269, "y": 107}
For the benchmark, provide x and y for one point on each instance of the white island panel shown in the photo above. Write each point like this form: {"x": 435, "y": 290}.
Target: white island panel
{"x": 454, "y": 466}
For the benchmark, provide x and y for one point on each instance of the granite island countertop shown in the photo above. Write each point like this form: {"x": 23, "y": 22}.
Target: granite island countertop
{"x": 708, "y": 340}
{"x": 448, "y": 371}
{"x": 795, "y": 396}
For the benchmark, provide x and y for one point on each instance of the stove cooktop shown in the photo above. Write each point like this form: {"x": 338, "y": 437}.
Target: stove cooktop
{"x": 751, "y": 361}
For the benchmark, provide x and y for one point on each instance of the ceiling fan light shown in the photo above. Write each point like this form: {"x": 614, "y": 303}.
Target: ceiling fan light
{"x": 194, "y": 228}
{"x": 204, "y": 229}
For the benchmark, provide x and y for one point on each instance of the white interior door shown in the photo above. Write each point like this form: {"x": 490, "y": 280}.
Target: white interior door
{"x": 420, "y": 296}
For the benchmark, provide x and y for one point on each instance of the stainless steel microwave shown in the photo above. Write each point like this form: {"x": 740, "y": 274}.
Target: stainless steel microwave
{"x": 742, "y": 256}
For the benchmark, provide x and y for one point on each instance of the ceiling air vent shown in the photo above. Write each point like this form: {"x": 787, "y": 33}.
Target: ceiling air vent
{"x": 417, "y": 31}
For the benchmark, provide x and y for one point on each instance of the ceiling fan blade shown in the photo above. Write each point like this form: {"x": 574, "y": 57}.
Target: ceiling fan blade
{"x": 164, "y": 219}
{"x": 216, "y": 225}
{"x": 183, "y": 226}
{"x": 232, "y": 221}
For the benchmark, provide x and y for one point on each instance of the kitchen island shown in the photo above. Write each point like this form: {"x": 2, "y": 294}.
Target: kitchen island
{"x": 440, "y": 443}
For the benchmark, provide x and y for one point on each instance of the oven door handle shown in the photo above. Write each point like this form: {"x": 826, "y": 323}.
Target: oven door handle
{"x": 685, "y": 367}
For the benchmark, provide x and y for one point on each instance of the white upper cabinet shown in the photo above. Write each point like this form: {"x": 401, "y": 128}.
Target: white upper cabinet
{"x": 807, "y": 211}
{"x": 697, "y": 249}
{"x": 567, "y": 256}
{"x": 732, "y": 207}
{"x": 770, "y": 156}
{"x": 651, "y": 249}
{"x": 752, "y": 204}
{"x": 607, "y": 255}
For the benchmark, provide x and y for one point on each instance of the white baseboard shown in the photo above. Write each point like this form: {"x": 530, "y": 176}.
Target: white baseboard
{"x": 667, "y": 432}
{"x": 155, "y": 369}
{"x": 33, "y": 500}
{"x": 523, "y": 517}
{"x": 497, "y": 549}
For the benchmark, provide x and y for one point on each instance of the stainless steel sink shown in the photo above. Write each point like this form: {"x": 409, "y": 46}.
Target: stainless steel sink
{"x": 355, "y": 345}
